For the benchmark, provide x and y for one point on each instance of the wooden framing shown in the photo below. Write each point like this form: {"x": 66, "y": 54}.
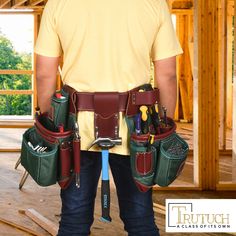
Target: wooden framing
{"x": 206, "y": 91}
{"x": 16, "y": 72}
{"x": 209, "y": 71}
{"x": 229, "y": 84}
{"x": 7, "y": 4}
{"x": 184, "y": 30}
{"x": 222, "y": 47}
{"x": 234, "y": 106}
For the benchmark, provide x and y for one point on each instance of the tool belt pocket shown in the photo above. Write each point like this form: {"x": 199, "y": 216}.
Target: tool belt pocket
{"x": 59, "y": 108}
{"x": 143, "y": 161}
{"x": 46, "y": 153}
{"x": 156, "y": 159}
{"x": 41, "y": 165}
{"x": 171, "y": 159}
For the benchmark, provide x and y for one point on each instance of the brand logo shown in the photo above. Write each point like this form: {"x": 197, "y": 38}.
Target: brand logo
{"x": 201, "y": 215}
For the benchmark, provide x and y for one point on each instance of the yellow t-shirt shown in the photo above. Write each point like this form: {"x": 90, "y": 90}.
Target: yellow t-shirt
{"x": 107, "y": 45}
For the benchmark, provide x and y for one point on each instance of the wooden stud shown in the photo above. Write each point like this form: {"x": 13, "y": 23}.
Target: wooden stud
{"x": 206, "y": 87}
{"x": 184, "y": 106}
{"x": 36, "y": 29}
{"x": 222, "y": 74}
{"x": 229, "y": 91}
{"x": 234, "y": 108}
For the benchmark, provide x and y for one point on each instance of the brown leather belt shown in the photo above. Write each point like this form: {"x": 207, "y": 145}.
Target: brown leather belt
{"x": 128, "y": 101}
{"x": 85, "y": 100}
{"x": 107, "y": 105}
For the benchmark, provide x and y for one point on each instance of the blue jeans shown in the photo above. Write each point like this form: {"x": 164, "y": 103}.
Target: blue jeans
{"x": 136, "y": 208}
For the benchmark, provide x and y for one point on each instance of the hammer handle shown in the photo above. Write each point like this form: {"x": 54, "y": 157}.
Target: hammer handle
{"x": 105, "y": 198}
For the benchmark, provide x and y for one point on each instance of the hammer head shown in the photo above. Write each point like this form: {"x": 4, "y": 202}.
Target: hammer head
{"x": 106, "y": 143}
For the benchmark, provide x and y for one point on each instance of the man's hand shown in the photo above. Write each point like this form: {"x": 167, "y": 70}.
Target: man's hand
{"x": 46, "y": 71}
{"x": 165, "y": 79}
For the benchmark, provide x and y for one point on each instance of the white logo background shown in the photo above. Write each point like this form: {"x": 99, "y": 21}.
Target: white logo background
{"x": 201, "y": 215}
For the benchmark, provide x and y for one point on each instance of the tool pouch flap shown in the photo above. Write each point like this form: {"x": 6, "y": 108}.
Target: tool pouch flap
{"x": 106, "y": 114}
{"x": 137, "y": 98}
{"x": 45, "y": 128}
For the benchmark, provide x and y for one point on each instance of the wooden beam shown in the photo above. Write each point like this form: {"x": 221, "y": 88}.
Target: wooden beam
{"x": 19, "y": 3}
{"x": 16, "y": 72}
{"x": 184, "y": 66}
{"x": 229, "y": 74}
{"x": 182, "y": 11}
{"x": 234, "y": 108}
{"x": 182, "y": 4}
{"x": 222, "y": 44}
{"x": 37, "y": 2}
{"x": 16, "y": 92}
{"x": 4, "y": 3}
{"x": 10, "y": 150}
{"x": 16, "y": 124}
{"x": 206, "y": 89}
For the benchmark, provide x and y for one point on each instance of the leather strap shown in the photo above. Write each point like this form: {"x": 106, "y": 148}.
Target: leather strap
{"x": 128, "y": 101}
{"x": 85, "y": 100}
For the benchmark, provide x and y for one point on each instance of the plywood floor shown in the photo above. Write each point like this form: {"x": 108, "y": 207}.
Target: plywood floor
{"x": 47, "y": 202}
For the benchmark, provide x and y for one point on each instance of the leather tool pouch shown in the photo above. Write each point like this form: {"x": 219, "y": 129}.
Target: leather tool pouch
{"x": 106, "y": 114}
{"x": 55, "y": 163}
{"x": 157, "y": 162}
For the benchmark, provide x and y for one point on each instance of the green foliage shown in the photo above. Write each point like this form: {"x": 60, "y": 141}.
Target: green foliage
{"x": 11, "y": 60}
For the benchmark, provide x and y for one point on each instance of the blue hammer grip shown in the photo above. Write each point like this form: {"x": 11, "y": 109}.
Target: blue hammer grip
{"x": 105, "y": 198}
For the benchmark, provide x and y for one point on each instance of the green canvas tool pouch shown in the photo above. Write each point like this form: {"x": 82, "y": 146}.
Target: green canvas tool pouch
{"x": 59, "y": 108}
{"x": 42, "y": 166}
{"x": 157, "y": 156}
{"x": 144, "y": 154}
{"x": 171, "y": 159}
{"x": 46, "y": 153}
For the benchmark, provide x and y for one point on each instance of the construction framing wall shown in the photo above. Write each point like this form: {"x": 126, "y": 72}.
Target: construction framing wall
{"x": 204, "y": 30}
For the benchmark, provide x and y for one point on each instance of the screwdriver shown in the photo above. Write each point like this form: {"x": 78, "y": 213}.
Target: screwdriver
{"x": 137, "y": 120}
{"x": 150, "y": 142}
{"x": 144, "y": 119}
{"x": 155, "y": 117}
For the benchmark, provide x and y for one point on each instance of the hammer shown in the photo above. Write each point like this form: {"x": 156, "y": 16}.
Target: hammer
{"x": 105, "y": 144}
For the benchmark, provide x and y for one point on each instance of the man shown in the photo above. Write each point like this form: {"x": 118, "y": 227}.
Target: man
{"x": 106, "y": 46}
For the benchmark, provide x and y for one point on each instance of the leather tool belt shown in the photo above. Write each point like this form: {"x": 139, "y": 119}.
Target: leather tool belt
{"x": 107, "y": 105}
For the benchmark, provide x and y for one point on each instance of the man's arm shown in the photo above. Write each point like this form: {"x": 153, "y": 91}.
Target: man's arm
{"x": 165, "y": 78}
{"x": 46, "y": 71}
